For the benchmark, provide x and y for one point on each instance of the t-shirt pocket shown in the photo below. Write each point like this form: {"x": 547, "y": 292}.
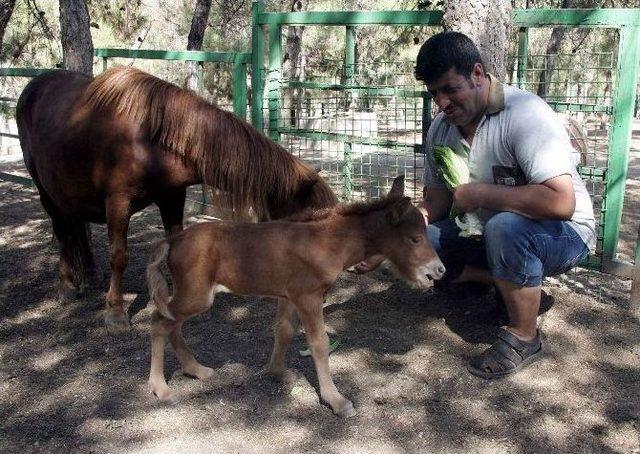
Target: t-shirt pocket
{"x": 508, "y": 176}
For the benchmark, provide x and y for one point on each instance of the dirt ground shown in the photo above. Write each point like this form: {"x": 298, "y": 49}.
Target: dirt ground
{"x": 67, "y": 385}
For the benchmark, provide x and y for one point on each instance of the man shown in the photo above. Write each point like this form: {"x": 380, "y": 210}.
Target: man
{"x": 537, "y": 212}
{"x": 538, "y": 215}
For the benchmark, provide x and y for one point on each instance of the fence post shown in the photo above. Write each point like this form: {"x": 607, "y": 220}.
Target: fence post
{"x": 634, "y": 298}
{"x": 257, "y": 63}
{"x": 349, "y": 71}
{"x": 620, "y": 136}
{"x": 275, "y": 74}
{"x": 239, "y": 89}
{"x": 523, "y": 47}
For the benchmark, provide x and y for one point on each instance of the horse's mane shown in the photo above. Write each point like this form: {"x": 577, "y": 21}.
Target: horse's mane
{"x": 343, "y": 209}
{"x": 229, "y": 153}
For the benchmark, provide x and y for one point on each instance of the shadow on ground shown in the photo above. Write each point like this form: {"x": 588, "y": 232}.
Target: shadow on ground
{"x": 66, "y": 382}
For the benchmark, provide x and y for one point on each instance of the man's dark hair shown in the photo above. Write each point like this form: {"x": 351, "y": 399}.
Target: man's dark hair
{"x": 444, "y": 51}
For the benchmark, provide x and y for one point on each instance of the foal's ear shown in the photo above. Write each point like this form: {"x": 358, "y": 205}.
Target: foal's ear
{"x": 398, "y": 209}
{"x": 397, "y": 188}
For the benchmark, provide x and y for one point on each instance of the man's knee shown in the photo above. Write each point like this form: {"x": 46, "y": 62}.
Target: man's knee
{"x": 505, "y": 229}
{"x": 508, "y": 239}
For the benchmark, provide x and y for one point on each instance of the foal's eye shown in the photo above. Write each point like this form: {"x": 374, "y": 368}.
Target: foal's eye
{"x": 415, "y": 239}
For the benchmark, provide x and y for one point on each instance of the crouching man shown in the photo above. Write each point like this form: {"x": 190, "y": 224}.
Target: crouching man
{"x": 538, "y": 217}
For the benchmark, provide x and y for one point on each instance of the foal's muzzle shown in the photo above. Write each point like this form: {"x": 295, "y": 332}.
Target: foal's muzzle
{"x": 434, "y": 270}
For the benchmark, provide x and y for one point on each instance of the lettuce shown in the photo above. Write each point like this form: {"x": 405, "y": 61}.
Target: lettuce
{"x": 453, "y": 169}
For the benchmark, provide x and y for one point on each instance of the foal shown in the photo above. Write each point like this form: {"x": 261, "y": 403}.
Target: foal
{"x": 293, "y": 260}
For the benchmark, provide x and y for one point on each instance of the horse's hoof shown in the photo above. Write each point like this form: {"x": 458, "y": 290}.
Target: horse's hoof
{"x": 116, "y": 321}
{"x": 347, "y": 410}
{"x": 66, "y": 294}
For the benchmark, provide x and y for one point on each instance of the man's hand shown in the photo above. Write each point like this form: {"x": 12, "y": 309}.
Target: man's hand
{"x": 467, "y": 197}
{"x": 436, "y": 203}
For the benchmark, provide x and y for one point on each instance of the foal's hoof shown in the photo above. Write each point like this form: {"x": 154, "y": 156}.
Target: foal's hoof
{"x": 163, "y": 393}
{"x": 200, "y": 372}
{"x": 346, "y": 411}
{"x": 116, "y": 321}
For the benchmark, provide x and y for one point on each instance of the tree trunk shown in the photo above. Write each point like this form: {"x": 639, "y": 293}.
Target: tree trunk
{"x": 293, "y": 66}
{"x": 487, "y": 23}
{"x": 77, "y": 45}
{"x": 194, "y": 42}
{"x": 6, "y": 10}
{"x": 554, "y": 45}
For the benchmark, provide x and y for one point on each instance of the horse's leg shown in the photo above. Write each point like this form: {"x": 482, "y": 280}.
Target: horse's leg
{"x": 65, "y": 236}
{"x": 172, "y": 210}
{"x": 160, "y": 329}
{"x": 284, "y": 331}
{"x": 117, "y": 208}
{"x": 310, "y": 311}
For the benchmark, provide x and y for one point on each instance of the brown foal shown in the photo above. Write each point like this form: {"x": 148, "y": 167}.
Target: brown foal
{"x": 294, "y": 260}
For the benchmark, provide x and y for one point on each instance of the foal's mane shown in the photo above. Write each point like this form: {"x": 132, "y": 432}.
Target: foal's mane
{"x": 229, "y": 153}
{"x": 350, "y": 209}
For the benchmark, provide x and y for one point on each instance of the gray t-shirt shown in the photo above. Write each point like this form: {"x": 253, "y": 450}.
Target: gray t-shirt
{"x": 519, "y": 140}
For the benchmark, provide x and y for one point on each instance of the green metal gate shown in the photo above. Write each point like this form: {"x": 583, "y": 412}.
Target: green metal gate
{"x": 351, "y": 170}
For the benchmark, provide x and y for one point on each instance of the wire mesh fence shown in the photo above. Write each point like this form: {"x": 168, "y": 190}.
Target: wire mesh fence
{"x": 362, "y": 127}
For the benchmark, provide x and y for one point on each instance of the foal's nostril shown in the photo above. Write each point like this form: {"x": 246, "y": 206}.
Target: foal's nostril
{"x": 441, "y": 269}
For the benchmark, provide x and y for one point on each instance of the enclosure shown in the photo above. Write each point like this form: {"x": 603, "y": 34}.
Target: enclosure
{"x": 363, "y": 122}
{"x": 67, "y": 384}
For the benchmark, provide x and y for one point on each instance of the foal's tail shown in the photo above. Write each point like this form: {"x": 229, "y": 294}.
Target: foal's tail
{"x": 158, "y": 288}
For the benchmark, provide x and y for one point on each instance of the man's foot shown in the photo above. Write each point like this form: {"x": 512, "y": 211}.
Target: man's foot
{"x": 506, "y": 356}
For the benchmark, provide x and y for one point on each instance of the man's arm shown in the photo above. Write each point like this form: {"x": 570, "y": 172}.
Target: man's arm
{"x": 552, "y": 199}
{"x": 436, "y": 202}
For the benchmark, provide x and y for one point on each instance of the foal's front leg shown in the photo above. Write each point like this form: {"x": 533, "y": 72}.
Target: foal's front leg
{"x": 117, "y": 208}
{"x": 310, "y": 312}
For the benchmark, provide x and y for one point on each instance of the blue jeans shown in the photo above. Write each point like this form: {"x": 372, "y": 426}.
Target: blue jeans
{"x": 514, "y": 248}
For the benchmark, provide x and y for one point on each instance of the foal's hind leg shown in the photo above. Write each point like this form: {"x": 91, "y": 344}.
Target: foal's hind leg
{"x": 160, "y": 329}
{"x": 284, "y": 331}
{"x": 193, "y": 295}
{"x": 310, "y": 312}
{"x": 190, "y": 366}
{"x": 117, "y": 208}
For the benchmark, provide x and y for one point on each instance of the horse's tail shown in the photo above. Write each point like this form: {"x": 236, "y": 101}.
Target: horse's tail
{"x": 158, "y": 288}
{"x": 73, "y": 235}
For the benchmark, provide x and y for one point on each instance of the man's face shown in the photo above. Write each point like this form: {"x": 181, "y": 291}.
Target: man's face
{"x": 459, "y": 97}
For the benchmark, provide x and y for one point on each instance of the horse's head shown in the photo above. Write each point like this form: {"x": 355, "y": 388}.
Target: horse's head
{"x": 312, "y": 192}
{"x": 406, "y": 244}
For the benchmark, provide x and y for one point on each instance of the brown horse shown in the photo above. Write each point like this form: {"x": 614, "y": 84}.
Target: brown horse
{"x": 101, "y": 149}
{"x": 293, "y": 260}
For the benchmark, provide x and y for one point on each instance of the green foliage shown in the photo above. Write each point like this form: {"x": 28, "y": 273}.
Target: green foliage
{"x": 32, "y": 38}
